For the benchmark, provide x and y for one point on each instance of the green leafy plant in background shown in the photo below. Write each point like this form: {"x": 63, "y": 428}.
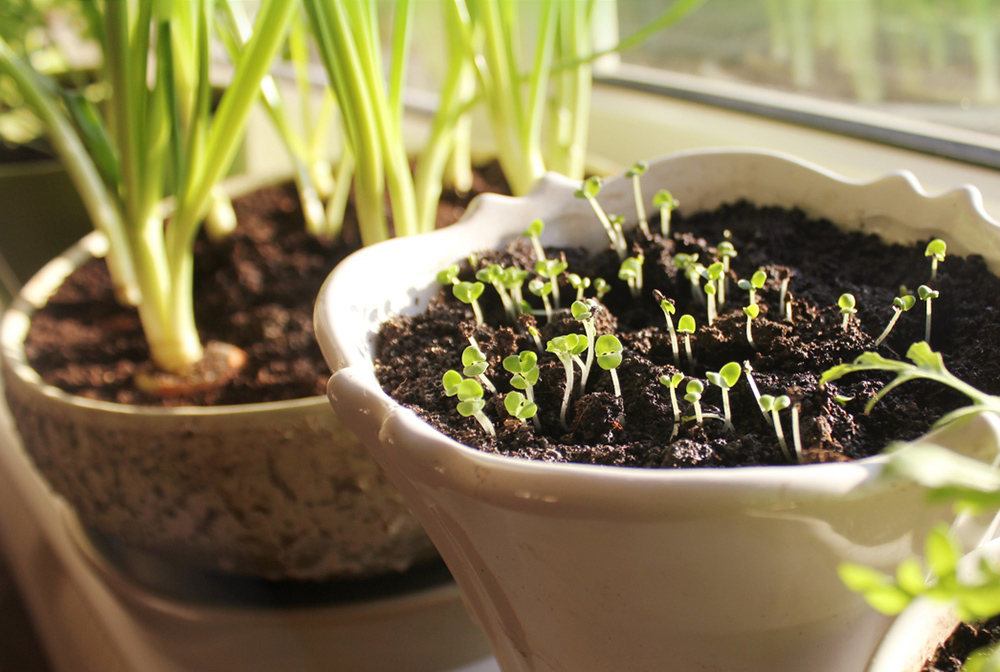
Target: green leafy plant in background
{"x": 159, "y": 139}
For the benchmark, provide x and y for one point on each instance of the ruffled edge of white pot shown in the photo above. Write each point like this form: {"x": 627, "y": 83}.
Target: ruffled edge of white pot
{"x": 577, "y": 566}
{"x": 278, "y": 490}
{"x": 918, "y": 632}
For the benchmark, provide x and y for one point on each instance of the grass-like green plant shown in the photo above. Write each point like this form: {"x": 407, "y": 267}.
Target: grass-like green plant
{"x": 686, "y": 325}
{"x": 631, "y": 272}
{"x": 937, "y": 250}
{"x": 668, "y": 308}
{"x": 665, "y": 201}
{"x": 565, "y": 348}
{"x": 635, "y": 173}
{"x": 927, "y": 295}
{"x": 589, "y": 190}
{"x": 900, "y": 305}
{"x": 470, "y": 398}
{"x": 159, "y": 139}
{"x": 751, "y": 311}
{"x": 608, "y": 350}
{"x": 848, "y": 307}
{"x": 692, "y": 394}
{"x": 773, "y": 405}
{"x": 725, "y": 379}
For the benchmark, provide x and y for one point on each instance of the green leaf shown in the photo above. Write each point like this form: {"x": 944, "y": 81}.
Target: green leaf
{"x": 937, "y": 248}
{"x": 472, "y": 355}
{"x": 925, "y": 293}
{"x": 451, "y": 381}
{"x": 847, "y": 303}
{"x": 861, "y": 579}
{"x": 448, "y": 276}
{"x": 589, "y": 188}
{"x": 471, "y": 407}
{"x": 469, "y": 390}
{"x": 904, "y": 303}
{"x": 540, "y": 288}
{"x": 714, "y": 272}
{"x": 608, "y": 350}
{"x": 664, "y": 199}
{"x": 667, "y": 306}
{"x": 638, "y": 168}
{"x": 910, "y": 576}
{"x": 580, "y": 311}
{"x": 726, "y": 249}
{"x": 752, "y": 311}
{"x": 535, "y": 229}
{"x": 686, "y": 324}
{"x": 467, "y": 292}
{"x": 758, "y": 279}
{"x": 941, "y": 551}
{"x": 731, "y": 373}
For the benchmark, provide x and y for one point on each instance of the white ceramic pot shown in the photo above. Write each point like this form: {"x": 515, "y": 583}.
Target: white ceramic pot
{"x": 591, "y": 568}
{"x": 279, "y": 490}
{"x": 926, "y": 624}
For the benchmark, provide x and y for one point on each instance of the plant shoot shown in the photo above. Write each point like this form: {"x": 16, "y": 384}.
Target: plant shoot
{"x": 468, "y": 293}
{"x": 725, "y": 379}
{"x": 534, "y": 234}
{"x": 631, "y": 272}
{"x": 524, "y": 367}
{"x": 470, "y": 398}
{"x": 635, "y": 172}
{"x": 937, "y": 249}
{"x": 476, "y": 365}
{"x": 686, "y": 325}
{"x": 713, "y": 283}
{"x": 584, "y": 312}
{"x": 900, "y": 305}
{"x": 668, "y": 308}
{"x": 748, "y": 369}
{"x": 692, "y": 394}
{"x": 927, "y": 295}
{"x": 519, "y": 407}
{"x": 773, "y": 405}
{"x": 565, "y": 348}
{"x": 665, "y": 201}
{"x": 551, "y": 269}
{"x": 589, "y": 190}
{"x": 671, "y": 383}
{"x": 847, "y": 304}
{"x": 753, "y": 285}
{"x": 751, "y": 311}
{"x": 542, "y": 289}
{"x": 609, "y": 355}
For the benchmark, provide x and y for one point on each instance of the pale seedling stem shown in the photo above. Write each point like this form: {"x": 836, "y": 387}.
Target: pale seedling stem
{"x": 667, "y": 306}
{"x": 899, "y": 305}
{"x": 796, "y": 437}
{"x": 937, "y": 249}
{"x": 672, "y": 384}
{"x": 775, "y": 404}
{"x": 533, "y": 233}
{"x": 583, "y": 311}
{"x": 751, "y": 311}
{"x": 694, "y": 389}
{"x": 748, "y": 369}
{"x": 636, "y": 172}
{"x": 928, "y": 295}
{"x": 783, "y": 291}
{"x": 686, "y": 326}
{"x": 666, "y": 202}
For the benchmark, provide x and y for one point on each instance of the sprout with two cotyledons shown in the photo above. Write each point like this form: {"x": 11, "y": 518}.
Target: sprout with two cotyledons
{"x": 513, "y": 280}
{"x": 668, "y": 308}
{"x": 578, "y": 283}
{"x": 601, "y": 287}
{"x": 773, "y": 405}
{"x": 524, "y": 367}
{"x": 937, "y": 249}
{"x": 689, "y": 266}
{"x": 671, "y": 383}
{"x": 927, "y": 295}
{"x": 542, "y": 289}
{"x": 475, "y": 366}
{"x": 726, "y": 252}
{"x": 725, "y": 378}
{"x": 589, "y": 190}
{"x": 494, "y": 274}
{"x": 609, "y": 355}
{"x": 751, "y": 311}
{"x": 566, "y": 348}
{"x": 551, "y": 269}
{"x": 847, "y": 304}
{"x": 468, "y": 293}
{"x": 753, "y": 285}
{"x": 713, "y": 285}
{"x": 583, "y": 312}
{"x": 665, "y": 201}
{"x": 686, "y": 325}
{"x": 693, "y": 391}
{"x": 470, "y": 398}
{"x": 534, "y": 233}
{"x": 448, "y": 276}
{"x": 635, "y": 172}
{"x": 631, "y": 272}
{"x": 520, "y": 407}
{"x": 900, "y": 305}
{"x": 748, "y": 370}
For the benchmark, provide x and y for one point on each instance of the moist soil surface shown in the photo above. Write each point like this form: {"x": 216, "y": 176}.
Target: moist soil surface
{"x": 788, "y": 358}
{"x": 255, "y": 289}
{"x": 967, "y": 638}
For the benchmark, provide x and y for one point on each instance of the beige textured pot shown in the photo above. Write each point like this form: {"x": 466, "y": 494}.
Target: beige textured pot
{"x": 276, "y": 490}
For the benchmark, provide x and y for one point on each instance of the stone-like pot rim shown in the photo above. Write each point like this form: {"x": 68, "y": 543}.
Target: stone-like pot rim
{"x": 14, "y": 324}
{"x": 493, "y": 477}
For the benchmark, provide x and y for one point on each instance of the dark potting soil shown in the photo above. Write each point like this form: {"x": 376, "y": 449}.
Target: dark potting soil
{"x": 967, "y": 638}
{"x": 256, "y": 290}
{"x": 821, "y": 261}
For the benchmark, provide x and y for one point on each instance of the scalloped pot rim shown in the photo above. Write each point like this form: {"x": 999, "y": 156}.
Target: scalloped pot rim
{"x": 36, "y": 292}
{"x": 355, "y": 300}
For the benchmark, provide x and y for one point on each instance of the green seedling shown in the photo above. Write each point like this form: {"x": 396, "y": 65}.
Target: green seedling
{"x": 551, "y": 269}
{"x": 536, "y": 336}
{"x": 534, "y": 234}
{"x": 448, "y": 276}
{"x": 751, "y": 311}
{"x": 631, "y": 272}
{"x": 783, "y": 294}
{"x": 748, "y": 369}
{"x": 773, "y": 405}
{"x": 668, "y": 308}
{"x": 725, "y": 379}
{"x": 476, "y": 365}
{"x": 671, "y": 383}
{"x": 513, "y": 280}
{"x": 796, "y": 435}
{"x": 520, "y": 407}
{"x": 713, "y": 285}
{"x": 847, "y": 304}
{"x": 589, "y": 190}
{"x": 726, "y": 252}
{"x": 579, "y": 284}
{"x": 495, "y": 274}
{"x": 584, "y": 312}
{"x": 753, "y": 285}
{"x": 618, "y": 224}
{"x": 566, "y": 348}
{"x": 609, "y": 355}
{"x": 689, "y": 266}
{"x": 468, "y": 293}
{"x": 900, "y": 305}
{"x": 636, "y": 171}
{"x": 686, "y": 325}
{"x": 927, "y": 295}
{"x": 693, "y": 392}
{"x": 937, "y": 249}
{"x": 542, "y": 290}
{"x": 524, "y": 367}
{"x": 601, "y": 287}
{"x": 927, "y": 365}
{"x": 665, "y": 201}
{"x": 470, "y": 398}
